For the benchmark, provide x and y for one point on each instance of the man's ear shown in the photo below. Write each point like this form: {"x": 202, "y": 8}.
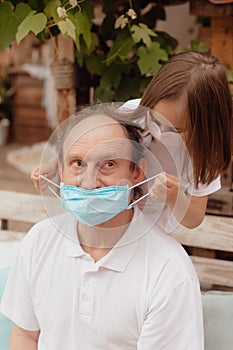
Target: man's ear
{"x": 140, "y": 170}
{"x": 60, "y": 170}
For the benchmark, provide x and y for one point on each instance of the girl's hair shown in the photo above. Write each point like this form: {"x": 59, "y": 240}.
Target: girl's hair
{"x": 199, "y": 82}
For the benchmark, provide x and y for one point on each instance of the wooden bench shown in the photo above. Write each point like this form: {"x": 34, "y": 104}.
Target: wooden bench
{"x": 22, "y": 207}
{"x": 18, "y": 213}
{"x": 204, "y": 243}
{"x": 211, "y": 249}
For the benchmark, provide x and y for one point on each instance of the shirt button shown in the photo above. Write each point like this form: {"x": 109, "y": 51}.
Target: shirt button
{"x": 87, "y": 278}
{"x": 85, "y": 298}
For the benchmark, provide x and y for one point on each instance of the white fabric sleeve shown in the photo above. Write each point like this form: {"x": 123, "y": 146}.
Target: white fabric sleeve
{"x": 175, "y": 320}
{"x": 16, "y": 302}
{"x": 205, "y": 190}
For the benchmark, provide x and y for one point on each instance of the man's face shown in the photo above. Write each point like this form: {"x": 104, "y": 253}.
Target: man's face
{"x": 97, "y": 153}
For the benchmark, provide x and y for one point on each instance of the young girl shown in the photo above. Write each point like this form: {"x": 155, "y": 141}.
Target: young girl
{"x": 190, "y": 92}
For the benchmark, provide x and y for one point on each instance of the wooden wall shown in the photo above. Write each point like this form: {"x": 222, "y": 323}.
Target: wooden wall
{"x": 218, "y": 36}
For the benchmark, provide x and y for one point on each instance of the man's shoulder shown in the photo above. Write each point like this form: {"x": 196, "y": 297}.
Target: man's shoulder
{"x": 163, "y": 249}
{"x": 51, "y": 223}
{"x": 50, "y": 228}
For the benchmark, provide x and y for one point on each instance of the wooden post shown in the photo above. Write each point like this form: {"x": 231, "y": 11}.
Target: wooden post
{"x": 66, "y": 97}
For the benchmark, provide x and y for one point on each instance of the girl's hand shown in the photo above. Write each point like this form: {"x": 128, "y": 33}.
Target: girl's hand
{"x": 188, "y": 210}
{"x": 39, "y": 183}
{"x": 49, "y": 170}
{"x": 165, "y": 189}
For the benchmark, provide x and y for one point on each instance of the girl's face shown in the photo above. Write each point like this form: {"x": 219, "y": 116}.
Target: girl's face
{"x": 173, "y": 111}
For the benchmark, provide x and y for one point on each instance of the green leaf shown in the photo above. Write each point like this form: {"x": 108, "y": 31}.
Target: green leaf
{"x": 94, "y": 43}
{"x": 121, "y": 22}
{"x": 51, "y": 9}
{"x": 84, "y": 51}
{"x": 120, "y": 49}
{"x": 110, "y": 78}
{"x": 82, "y": 28}
{"x": 112, "y": 75}
{"x": 102, "y": 95}
{"x": 129, "y": 87}
{"x": 197, "y": 45}
{"x": 142, "y": 32}
{"x": 151, "y": 59}
{"x": 87, "y": 8}
{"x": 86, "y": 30}
{"x": 67, "y": 28}
{"x": 34, "y": 22}
{"x": 10, "y": 20}
{"x": 95, "y": 64}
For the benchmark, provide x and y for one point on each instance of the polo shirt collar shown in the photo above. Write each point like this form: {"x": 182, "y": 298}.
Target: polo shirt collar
{"x": 120, "y": 255}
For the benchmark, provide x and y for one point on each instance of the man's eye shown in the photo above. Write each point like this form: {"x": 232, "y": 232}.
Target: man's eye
{"x": 108, "y": 164}
{"x": 78, "y": 163}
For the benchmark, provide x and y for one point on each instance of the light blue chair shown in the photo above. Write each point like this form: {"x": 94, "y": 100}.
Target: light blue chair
{"x": 218, "y": 320}
{"x": 5, "y": 323}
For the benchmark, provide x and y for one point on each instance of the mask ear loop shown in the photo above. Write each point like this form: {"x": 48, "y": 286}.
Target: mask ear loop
{"x": 140, "y": 183}
{"x": 49, "y": 187}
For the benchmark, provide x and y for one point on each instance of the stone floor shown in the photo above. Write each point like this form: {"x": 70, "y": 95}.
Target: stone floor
{"x": 10, "y": 178}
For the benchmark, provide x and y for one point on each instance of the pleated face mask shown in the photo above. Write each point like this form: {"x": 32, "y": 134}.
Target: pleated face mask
{"x": 98, "y": 205}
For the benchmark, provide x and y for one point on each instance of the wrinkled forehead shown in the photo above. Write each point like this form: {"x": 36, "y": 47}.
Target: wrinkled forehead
{"x": 98, "y": 135}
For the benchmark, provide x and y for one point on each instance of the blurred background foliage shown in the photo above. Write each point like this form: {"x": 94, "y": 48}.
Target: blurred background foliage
{"x": 117, "y": 46}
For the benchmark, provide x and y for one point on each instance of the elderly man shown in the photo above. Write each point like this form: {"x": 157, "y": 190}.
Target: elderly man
{"x": 102, "y": 276}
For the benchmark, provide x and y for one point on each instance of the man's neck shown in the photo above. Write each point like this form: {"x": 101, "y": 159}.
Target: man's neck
{"x": 99, "y": 240}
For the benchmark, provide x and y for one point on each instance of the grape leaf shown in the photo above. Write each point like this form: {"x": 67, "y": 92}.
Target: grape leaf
{"x": 67, "y": 28}
{"x": 10, "y": 20}
{"x": 120, "y": 49}
{"x": 121, "y": 22}
{"x": 95, "y": 64}
{"x": 142, "y": 32}
{"x": 83, "y": 27}
{"x": 151, "y": 59}
{"x": 51, "y": 9}
{"x": 34, "y": 22}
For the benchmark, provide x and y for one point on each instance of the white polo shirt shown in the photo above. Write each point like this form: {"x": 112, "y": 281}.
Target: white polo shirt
{"x": 144, "y": 294}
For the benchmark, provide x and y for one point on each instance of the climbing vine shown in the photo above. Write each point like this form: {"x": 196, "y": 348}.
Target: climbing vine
{"x": 117, "y": 46}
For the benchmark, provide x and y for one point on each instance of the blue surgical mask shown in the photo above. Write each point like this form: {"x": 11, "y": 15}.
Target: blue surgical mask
{"x": 92, "y": 207}
{"x": 95, "y": 206}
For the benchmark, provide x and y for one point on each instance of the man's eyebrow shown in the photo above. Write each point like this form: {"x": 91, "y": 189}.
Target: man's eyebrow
{"x": 69, "y": 156}
{"x": 111, "y": 155}
{"x": 100, "y": 156}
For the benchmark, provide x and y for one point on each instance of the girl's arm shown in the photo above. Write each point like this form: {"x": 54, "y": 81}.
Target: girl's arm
{"x": 23, "y": 340}
{"x": 195, "y": 212}
{"x": 188, "y": 210}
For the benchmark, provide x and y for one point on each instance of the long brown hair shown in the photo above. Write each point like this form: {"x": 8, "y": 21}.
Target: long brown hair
{"x": 200, "y": 82}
